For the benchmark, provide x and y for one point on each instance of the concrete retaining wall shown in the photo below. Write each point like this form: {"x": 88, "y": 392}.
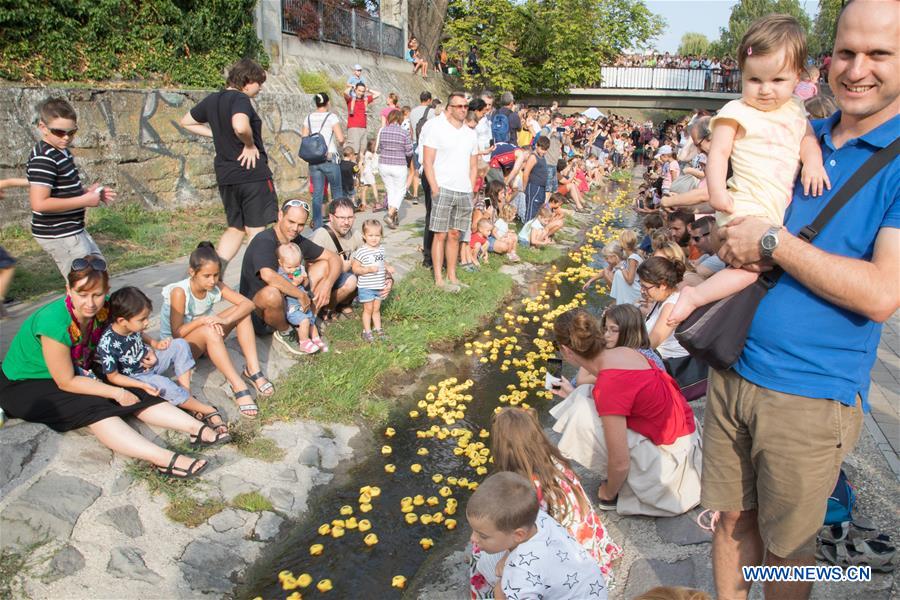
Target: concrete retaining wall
{"x": 130, "y": 139}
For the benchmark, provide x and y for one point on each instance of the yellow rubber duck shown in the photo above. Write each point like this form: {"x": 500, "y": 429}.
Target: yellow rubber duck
{"x": 337, "y": 532}
{"x": 398, "y": 581}
{"x": 316, "y": 549}
{"x": 415, "y": 468}
{"x": 386, "y": 450}
{"x": 411, "y": 518}
{"x": 364, "y": 525}
{"x": 418, "y": 500}
{"x": 390, "y": 468}
{"x": 426, "y": 543}
{"x": 450, "y": 523}
{"x": 370, "y": 540}
{"x": 365, "y": 507}
{"x": 324, "y": 586}
{"x": 390, "y": 432}
{"x": 346, "y": 510}
{"x": 324, "y": 529}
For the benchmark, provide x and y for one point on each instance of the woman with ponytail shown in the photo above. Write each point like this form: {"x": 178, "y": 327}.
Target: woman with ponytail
{"x": 633, "y": 425}
{"x": 326, "y": 123}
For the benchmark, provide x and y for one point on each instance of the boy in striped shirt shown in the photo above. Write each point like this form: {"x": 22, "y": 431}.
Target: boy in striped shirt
{"x": 58, "y": 198}
{"x": 367, "y": 263}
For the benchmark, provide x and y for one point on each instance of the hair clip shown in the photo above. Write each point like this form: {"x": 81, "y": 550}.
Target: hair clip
{"x": 749, "y": 50}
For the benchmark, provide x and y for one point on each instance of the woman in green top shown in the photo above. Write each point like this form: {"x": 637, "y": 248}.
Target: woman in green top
{"x": 46, "y": 378}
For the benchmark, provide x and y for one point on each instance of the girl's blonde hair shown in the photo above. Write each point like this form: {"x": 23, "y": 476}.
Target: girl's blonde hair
{"x": 508, "y": 212}
{"x": 614, "y": 249}
{"x": 518, "y": 444}
{"x": 769, "y": 34}
{"x": 673, "y": 252}
{"x": 628, "y": 239}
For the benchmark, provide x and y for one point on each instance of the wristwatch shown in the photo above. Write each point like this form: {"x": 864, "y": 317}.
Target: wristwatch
{"x": 768, "y": 242}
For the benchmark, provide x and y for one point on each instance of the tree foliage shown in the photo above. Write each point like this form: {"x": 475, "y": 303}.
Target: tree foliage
{"x": 744, "y": 13}
{"x": 821, "y": 38}
{"x": 693, "y": 44}
{"x": 545, "y": 45}
{"x": 186, "y": 42}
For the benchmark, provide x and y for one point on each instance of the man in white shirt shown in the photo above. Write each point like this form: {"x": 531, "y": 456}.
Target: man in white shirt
{"x": 449, "y": 161}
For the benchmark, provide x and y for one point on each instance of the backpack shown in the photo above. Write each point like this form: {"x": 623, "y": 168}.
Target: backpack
{"x": 314, "y": 148}
{"x": 500, "y": 128}
{"x": 840, "y": 502}
{"x": 503, "y": 157}
{"x": 421, "y": 123}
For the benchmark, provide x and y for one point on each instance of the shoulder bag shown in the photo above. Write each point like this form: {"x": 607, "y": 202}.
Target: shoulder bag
{"x": 689, "y": 372}
{"x": 716, "y": 332}
{"x": 314, "y": 148}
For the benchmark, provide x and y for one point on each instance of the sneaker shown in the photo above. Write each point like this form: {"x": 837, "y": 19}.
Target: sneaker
{"x": 382, "y": 336}
{"x": 368, "y": 337}
{"x": 308, "y": 347}
{"x": 513, "y": 257}
{"x": 288, "y": 341}
{"x": 323, "y": 346}
{"x": 415, "y": 200}
{"x": 607, "y": 504}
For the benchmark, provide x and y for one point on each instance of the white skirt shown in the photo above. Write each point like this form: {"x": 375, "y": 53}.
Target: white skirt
{"x": 663, "y": 481}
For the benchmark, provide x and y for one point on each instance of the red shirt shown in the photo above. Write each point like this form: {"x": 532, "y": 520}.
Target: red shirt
{"x": 357, "y": 117}
{"x": 477, "y": 238}
{"x": 650, "y": 401}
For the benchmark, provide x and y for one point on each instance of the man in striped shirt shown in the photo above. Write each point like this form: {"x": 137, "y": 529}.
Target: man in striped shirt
{"x": 58, "y": 198}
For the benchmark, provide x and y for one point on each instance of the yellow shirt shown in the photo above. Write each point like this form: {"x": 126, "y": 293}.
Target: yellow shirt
{"x": 765, "y": 160}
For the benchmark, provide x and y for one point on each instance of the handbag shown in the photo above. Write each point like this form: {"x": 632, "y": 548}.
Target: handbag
{"x": 314, "y": 148}
{"x": 716, "y": 333}
{"x": 690, "y": 373}
{"x": 377, "y": 158}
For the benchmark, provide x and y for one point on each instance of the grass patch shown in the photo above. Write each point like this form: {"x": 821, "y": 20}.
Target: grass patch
{"x": 619, "y": 175}
{"x": 539, "y": 256}
{"x": 130, "y": 235}
{"x": 16, "y": 566}
{"x": 251, "y": 502}
{"x": 158, "y": 483}
{"x": 191, "y": 512}
{"x": 259, "y": 447}
{"x": 316, "y": 82}
{"x": 339, "y": 386}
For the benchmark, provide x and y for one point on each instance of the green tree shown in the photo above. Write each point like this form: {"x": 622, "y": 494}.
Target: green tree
{"x": 744, "y": 13}
{"x": 547, "y": 45}
{"x": 821, "y": 38}
{"x": 693, "y": 44}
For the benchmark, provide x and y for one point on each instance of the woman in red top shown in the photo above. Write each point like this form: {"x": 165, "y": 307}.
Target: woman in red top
{"x": 633, "y": 425}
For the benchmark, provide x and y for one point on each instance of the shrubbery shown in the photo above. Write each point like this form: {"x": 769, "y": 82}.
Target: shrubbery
{"x": 185, "y": 42}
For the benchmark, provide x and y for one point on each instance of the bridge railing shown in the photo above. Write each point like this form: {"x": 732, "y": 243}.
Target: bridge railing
{"x": 329, "y": 21}
{"x": 682, "y": 80}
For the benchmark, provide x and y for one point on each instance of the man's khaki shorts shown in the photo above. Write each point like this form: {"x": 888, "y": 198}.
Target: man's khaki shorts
{"x": 776, "y": 453}
{"x": 357, "y": 138}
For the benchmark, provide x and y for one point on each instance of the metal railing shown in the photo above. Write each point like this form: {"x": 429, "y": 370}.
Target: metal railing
{"x": 339, "y": 24}
{"x": 659, "y": 78}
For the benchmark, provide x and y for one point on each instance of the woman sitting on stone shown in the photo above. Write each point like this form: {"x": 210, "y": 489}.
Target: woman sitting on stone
{"x": 633, "y": 425}
{"x": 46, "y": 378}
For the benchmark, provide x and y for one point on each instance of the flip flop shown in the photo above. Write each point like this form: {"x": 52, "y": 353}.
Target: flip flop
{"x": 266, "y": 389}
{"x": 872, "y": 553}
{"x": 197, "y": 440}
{"x": 189, "y": 473}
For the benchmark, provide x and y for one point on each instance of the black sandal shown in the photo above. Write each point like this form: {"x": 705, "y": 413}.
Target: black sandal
{"x": 208, "y": 420}
{"x": 188, "y": 473}
{"x": 245, "y": 409}
{"x": 266, "y": 389}
{"x": 221, "y": 438}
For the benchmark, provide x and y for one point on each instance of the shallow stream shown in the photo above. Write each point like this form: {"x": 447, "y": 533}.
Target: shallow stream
{"x": 355, "y": 570}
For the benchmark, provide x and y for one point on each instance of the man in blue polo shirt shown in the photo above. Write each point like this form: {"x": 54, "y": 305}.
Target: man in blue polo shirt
{"x": 779, "y": 424}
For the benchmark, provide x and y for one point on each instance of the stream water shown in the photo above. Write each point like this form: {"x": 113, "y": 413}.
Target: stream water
{"x": 460, "y": 401}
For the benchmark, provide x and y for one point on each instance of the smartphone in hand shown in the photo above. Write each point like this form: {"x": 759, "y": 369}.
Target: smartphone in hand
{"x": 553, "y": 379}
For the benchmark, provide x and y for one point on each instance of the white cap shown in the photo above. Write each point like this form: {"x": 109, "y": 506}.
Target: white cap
{"x": 357, "y": 67}
{"x": 667, "y": 149}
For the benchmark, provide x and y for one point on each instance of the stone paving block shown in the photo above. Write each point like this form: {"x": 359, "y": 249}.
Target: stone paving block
{"x": 67, "y": 561}
{"x": 129, "y": 563}
{"x": 209, "y": 567}
{"x": 124, "y": 519}
{"x": 646, "y": 574}
{"x": 49, "y": 508}
{"x": 682, "y": 530}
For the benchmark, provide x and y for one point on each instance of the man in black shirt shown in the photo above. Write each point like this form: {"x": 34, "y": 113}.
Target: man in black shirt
{"x": 261, "y": 282}
{"x": 241, "y": 162}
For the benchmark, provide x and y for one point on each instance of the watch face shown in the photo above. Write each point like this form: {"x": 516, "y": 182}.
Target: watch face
{"x": 769, "y": 241}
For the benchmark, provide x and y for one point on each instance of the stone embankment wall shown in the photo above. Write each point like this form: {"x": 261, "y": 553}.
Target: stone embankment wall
{"x": 131, "y": 140}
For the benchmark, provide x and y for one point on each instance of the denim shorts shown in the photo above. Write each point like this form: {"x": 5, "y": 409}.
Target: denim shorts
{"x": 367, "y": 295}
{"x": 341, "y": 280}
{"x": 491, "y": 241}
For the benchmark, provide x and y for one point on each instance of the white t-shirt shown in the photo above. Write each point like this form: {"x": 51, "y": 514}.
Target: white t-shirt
{"x": 502, "y": 227}
{"x": 367, "y": 257}
{"x": 454, "y": 149}
{"x": 484, "y": 134}
{"x": 326, "y": 121}
{"x": 525, "y": 233}
{"x": 552, "y": 565}
{"x": 669, "y": 348}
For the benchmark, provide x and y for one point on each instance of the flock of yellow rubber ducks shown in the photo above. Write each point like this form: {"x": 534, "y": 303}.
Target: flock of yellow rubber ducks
{"x": 446, "y": 402}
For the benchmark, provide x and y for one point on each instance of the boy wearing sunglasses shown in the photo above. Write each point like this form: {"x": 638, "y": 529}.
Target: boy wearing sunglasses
{"x": 58, "y": 198}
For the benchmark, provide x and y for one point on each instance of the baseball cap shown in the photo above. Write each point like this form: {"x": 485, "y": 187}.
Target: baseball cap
{"x": 667, "y": 149}
{"x": 357, "y": 67}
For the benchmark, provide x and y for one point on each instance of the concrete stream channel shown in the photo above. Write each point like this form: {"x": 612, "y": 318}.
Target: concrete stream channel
{"x": 425, "y": 452}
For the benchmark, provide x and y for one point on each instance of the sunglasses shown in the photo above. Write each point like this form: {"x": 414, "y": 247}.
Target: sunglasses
{"x": 458, "y": 106}
{"x": 293, "y": 203}
{"x": 92, "y": 262}
{"x": 61, "y": 133}
{"x": 697, "y": 238}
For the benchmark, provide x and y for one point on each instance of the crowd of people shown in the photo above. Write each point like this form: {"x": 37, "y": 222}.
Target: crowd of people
{"x": 719, "y": 204}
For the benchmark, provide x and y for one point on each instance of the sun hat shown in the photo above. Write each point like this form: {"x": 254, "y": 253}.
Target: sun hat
{"x": 667, "y": 149}
{"x": 357, "y": 67}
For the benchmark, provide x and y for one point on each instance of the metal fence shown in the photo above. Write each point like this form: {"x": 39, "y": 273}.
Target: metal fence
{"x": 657, "y": 78}
{"x": 339, "y": 24}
